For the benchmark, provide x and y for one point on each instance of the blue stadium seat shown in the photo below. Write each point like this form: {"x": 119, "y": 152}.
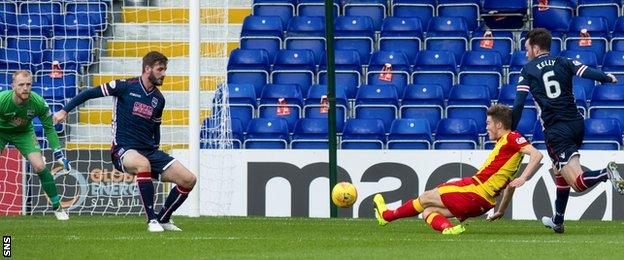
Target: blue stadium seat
{"x": 208, "y": 125}
{"x": 6, "y": 78}
{"x": 30, "y": 25}
{"x": 537, "y": 139}
{"x": 266, "y": 133}
{"x": 242, "y": 102}
{"x": 399, "y": 74}
{"x": 421, "y": 9}
{"x": 284, "y": 9}
{"x": 12, "y": 59}
{"x": 33, "y": 45}
{"x": 375, "y": 9}
{"x": 469, "y": 101}
{"x": 617, "y": 37}
{"x": 598, "y": 30}
{"x": 609, "y": 9}
{"x": 448, "y": 34}
{"x": 67, "y": 60}
{"x": 555, "y": 16}
{"x": 54, "y": 93}
{"x": 499, "y": 41}
{"x": 580, "y": 98}
{"x": 38, "y": 127}
{"x": 410, "y": 134}
{"x": 509, "y": 14}
{"x": 306, "y": 32}
{"x": 588, "y": 58}
{"x": 518, "y": 60}
{"x": 456, "y": 133}
{"x": 482, "y": 68}
{"x": 602, "y": 134}
{"x": 348, "y": 71}
{"x": 435, "y": 67}
{"x": 262, "y": 32}
{"x": 249, "y": 66}
{"x": 315, "y": 8}
{"x": 78, "y": 49}
{"x": 8, "y": 12}
{"x": 355, "y": 33}
{"x": 377, "y": 101}
{"x": 363, "y": 134}
{"x": 314, "y": 108}
{"x": 468, "y": 9}
{"x": 607, "y": 102}
{"x": 73, "y": 25}
{"x": 48, "y": 9}
{"x": 507, "y": 96}
{"x": 614, "y": 63}
{"x": 91, "y": 13}
{"x": 294, "y": 67}
{"x": 67, "y": 82}
{"x": 281, "y": 101}
{"x": 401, "y": 34}
{"x": 556, "y": 45}
{"x": 310, "y": 133}
{"x": 54, "y": 107}
{"x": 423, "y": 102}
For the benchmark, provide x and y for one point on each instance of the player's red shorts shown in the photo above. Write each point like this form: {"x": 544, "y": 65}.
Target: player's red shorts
{"x": 465, "y": 199}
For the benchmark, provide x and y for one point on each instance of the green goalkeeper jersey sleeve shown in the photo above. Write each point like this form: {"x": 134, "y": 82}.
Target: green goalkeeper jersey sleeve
{"x": 16, "y": 119}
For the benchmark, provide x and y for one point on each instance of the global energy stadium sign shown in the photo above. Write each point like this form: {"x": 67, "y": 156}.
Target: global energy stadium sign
{"x": 294, "y": 182}
{"x": 93, "y": 187}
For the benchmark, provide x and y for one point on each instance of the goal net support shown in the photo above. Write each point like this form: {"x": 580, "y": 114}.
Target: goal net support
{"x": 70, "y": 46}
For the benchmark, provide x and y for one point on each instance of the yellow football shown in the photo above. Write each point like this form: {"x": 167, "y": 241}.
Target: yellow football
{"x": 344, "y": 194}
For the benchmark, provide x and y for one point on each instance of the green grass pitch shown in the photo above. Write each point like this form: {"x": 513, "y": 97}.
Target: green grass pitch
{"x": 111, "y": 237}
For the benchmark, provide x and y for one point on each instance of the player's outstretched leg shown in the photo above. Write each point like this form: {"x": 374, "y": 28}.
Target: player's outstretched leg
{"x": 437, "y": 221}
{"x": 614, "y": 176}
{"x": 185, "y": 181}
{"x": 411, "y": 208}
{"x": 48, "y": 185}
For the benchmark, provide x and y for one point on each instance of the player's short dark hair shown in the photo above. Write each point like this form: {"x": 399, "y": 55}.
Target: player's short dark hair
{"x": 501, "y": 113}
{"x": 540, "y": 37}
{"x": 153, "y": 57}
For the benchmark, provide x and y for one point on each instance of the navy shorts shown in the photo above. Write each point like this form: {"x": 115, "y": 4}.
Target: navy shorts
{"x": 159, "y": 160}
{"x": 563, "y": 140}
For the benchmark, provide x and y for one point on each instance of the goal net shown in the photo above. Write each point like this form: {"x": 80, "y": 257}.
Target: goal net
{"x": 70, "y": 46}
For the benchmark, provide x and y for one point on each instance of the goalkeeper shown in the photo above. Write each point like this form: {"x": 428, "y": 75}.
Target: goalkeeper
{"x": 17, "y": 109}
{"x": 137, "y": 115}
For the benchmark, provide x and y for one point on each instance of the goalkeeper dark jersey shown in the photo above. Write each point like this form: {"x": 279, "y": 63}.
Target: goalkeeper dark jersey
{"x": 549, "y": 79}
{"x": 137, "y": 114}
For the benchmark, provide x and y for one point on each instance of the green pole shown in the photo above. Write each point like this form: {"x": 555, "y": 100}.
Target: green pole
{"x": 331, "y": 97}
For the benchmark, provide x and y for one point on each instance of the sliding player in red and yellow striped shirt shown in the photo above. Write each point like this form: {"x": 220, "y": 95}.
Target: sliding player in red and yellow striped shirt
{"x": 473, "y": 196}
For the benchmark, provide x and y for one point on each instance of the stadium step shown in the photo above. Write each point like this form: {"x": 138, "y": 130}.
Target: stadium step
{"x": 181, "y": 15}
{"x": 173, "y": 32}
{"x": 172, "y": 82}
{"x": 107, "y": 145}
{"x": 168, "y": 48}
{"x": 176, "y": 66}
{"x": 203, "y": 3}
{"x": 104, "y": 116}
{"x": 103, "y": 134}
{"x": 173, "y": 99}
